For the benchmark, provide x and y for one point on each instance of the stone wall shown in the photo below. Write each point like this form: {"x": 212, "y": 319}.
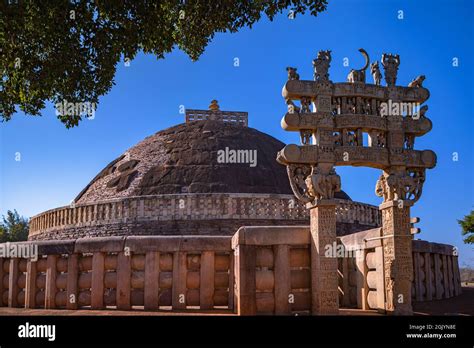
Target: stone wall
{"x": 362, "y": 273}
{"x": 436, "y": 271}
{"x": 168, "y": 273}
{"x": 188, "y": 214}
{"x": 260, "y": 270}
{"x": 273, "y": 270}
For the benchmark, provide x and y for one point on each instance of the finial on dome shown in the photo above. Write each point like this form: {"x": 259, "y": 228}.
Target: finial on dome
{"x": 214, "y": 106}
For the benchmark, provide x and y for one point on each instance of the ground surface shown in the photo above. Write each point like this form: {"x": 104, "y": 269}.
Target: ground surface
{"x": 460, "y": 305}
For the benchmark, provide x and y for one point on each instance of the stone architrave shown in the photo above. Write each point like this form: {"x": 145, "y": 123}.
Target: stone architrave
{"x": 397, "y": 252}
{"x": 324, "y": 281}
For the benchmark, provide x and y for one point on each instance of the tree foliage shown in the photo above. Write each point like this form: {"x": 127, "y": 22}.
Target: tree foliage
{"x": 467, "y": 225}
{"x": 68, "y": 50}
{"x": 13, "y": 228}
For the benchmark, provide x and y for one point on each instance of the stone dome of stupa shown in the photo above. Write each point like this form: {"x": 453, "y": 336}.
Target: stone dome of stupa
{"x": 185, "y": 159}
{"x": 207, "y": 176}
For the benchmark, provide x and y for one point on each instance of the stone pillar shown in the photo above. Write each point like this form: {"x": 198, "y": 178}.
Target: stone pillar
{"x": 397, "y": 255}
{"x": 245, "y": 279}
{"x": 324, "y": 282}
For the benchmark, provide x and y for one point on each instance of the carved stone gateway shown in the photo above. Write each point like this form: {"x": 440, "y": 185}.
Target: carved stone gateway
{"x": 358, "y": 124}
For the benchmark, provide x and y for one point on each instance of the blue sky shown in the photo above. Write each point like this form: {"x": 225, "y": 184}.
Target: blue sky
{"x": 57, "y": 163}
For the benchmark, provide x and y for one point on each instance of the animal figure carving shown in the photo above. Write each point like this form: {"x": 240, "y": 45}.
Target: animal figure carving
{"x": 418, "y": 82}
{"x": 376, "y": 74}
{"x": 292, "y": 74}
{"x": 359, "y": 75}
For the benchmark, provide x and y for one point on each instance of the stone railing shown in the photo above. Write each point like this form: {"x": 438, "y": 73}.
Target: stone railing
{"x": 436, "y": 271}
{"x": 171, "y": 207}
{"x": 192, "y": 207}
{"x": 361, "y": 274}
{"x": 352, "y": 212}
{"x": 235, "y": 117}
{"x": 260, "y": 270}
{"x": 272, "y": 270}
{"x": 121, "y": 272}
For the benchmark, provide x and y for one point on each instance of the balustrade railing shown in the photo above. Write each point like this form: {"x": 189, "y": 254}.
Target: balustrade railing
{"x": 197, "y": 206}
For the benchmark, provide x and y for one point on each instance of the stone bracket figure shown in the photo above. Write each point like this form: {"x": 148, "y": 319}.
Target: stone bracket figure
{"x": 309, "y": 184}
{"x": 297, "y": 175}
{"x": 406, "y": 185}
{"x": 323, "y": 186}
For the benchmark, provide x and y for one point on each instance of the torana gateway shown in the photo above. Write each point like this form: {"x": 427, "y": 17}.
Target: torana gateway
{"x": 180, "y": 222}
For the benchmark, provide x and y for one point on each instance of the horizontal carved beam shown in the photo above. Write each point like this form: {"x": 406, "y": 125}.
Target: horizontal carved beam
{"x": 317, "y": 120}
{"x": 295, "y": 89}
{"x": 380, "y": 158}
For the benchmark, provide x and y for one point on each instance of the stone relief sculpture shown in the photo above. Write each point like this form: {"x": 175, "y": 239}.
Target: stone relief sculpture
{"x": 336, "y": 106}
{"x": 297, "y": 175}
{"x": 305, "y": 104}
{"x": 323, "y": 186}
{"x": 292, "y": 108}
{"x": 419, "y": 177}
{"x": 351, "y": 138}
{"x": 305, "y": 136}
{"x": 321, "y": 66}
{"x": 423, "y": 111}
{"x": 376, "y": 74}
{"x": 381, "y": 141}
{"x": 390, "y": 64}
{"x": 310, "y": 184}
{"x": 344, "y": 118}
{"x": 351, "y": 106}
{"x": 409, "y": 141}
{"x": 337, "y": 138}
{"x": 406, "y": 186}
{"x": 292, "y": 74}
{"x": 359, "y": 75}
